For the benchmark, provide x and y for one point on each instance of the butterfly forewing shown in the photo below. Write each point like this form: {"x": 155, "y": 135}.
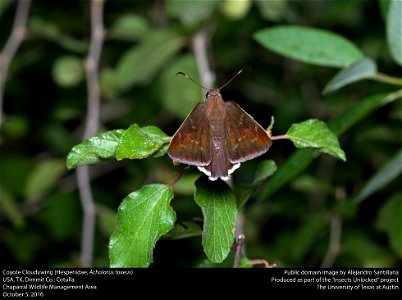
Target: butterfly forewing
{"x": 245, "y": 138}
{"x": 191, "y": 142}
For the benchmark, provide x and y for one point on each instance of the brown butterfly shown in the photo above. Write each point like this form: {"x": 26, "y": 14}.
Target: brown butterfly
{"x": 217, "y": 136}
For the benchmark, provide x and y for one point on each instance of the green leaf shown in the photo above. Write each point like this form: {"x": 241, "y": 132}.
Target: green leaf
{"x": 315, "y": 134}
{"x": 138, "y": 143}
{"x": 142, "y": 218}
{"x": 95, "y": 149}
{"x": 292, "y": 167}
{"x": 363, "y": 69}
{"x": 9, "y": 209}
{"x": 68, "y": 71}
{"x": 109, "y": 84}
{"x": 387, "y": 173}
{"x": 106, "y": 219}
{"x": 363, "y": 251}
{"x": 43, "y": 177}
{"x": 273, "y": 10}
{"x": 60, "y": 216}
{"x": 384, "y": 6}
{"x": 296, "y": 163}
{"x": 191, "y": 12}
{"x": 309, "y": 45}
{"x": 129, "y": 27}
{"x": 181, "y": 104}
{"x": 307, "y": 234}
{"x": 394, "y": 30}
{"x": 265, "y": 169}
{"x": 244, "y": 262}
{"x": 186, "y": 184}
{"x": 51, "y": 31}
{"x": 142, "y": 62}
{"x": 312, "y": 184}
{"x": 161, "y": 151}
{"x": 389, "y": 220}
{"x": 218, "y": 205}
{"x": 243, "y": 192}
{"x": 236, "y": 9}
{"x": 357, "y": 112}
{"x": 184, "y": 230}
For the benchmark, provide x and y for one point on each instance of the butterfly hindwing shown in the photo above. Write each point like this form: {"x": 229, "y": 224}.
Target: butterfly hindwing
{"x": 245, "y": 138}
{"x": 191, "y": 142}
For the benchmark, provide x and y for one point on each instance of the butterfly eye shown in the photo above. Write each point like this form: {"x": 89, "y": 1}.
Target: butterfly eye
{"x": 207, "y": 94}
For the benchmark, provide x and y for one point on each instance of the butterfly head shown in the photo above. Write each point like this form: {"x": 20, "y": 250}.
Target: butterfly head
{"x": 213, "y": 93}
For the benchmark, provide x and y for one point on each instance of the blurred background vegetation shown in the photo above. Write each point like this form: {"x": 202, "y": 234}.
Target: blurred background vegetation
{"x": 146, "y": 43}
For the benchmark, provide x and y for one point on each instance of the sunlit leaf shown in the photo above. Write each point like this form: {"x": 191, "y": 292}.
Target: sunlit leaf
{"x": 298, "y": 161}
{"x": 218, "y": 205}
{"x": 137, "y": 142}
{"x": 309, "y": 45}
{"x": 143, "y": 217}
{"x": 316, "y": 135}
{"x": 95, "y": 149}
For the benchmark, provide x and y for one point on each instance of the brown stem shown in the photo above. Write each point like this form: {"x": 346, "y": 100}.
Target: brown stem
{"x": 91, "y": 128}
{"x": 262, "y": 262}
{"x": 238, "y": 245}
{"x": 17, "y": 35}
{"x": 200, "y": 46}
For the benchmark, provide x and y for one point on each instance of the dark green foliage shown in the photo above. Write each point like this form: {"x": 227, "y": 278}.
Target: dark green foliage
{"x": 328, "y": 72}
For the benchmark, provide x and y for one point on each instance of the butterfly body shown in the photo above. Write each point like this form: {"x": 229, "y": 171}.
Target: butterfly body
{"x": 217, "y": 136}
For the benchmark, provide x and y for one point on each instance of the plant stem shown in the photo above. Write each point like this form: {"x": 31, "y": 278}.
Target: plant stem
{"x": 91, "y": 128}
{"x": 238, "y": 245}
{"x": 388, "y": 79}
{"x": 17, "y": 35}
{"x": 279, "y": 137}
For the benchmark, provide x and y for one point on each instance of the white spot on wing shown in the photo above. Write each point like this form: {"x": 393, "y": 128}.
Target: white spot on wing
{"x": 205, "y": 171}
{"x": 235, "y": 167}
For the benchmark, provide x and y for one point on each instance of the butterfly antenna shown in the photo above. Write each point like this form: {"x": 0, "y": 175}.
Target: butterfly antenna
{"x": 230, "y": 80}
{"x": 188, "y": 77}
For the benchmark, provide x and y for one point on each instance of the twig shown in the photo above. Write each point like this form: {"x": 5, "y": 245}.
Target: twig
{"x": 199, "y": 43}
{"x": 91, "y": 128}
{"x": 91, "y": 68}
{"x": 173, "y": 183}
{"x": 279, "y": 137}
{"x": 238, "y": 245}
{"x": 17, "y": 35}
{"x": 334, "y": 242}
{"x": 262, "y": 262}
